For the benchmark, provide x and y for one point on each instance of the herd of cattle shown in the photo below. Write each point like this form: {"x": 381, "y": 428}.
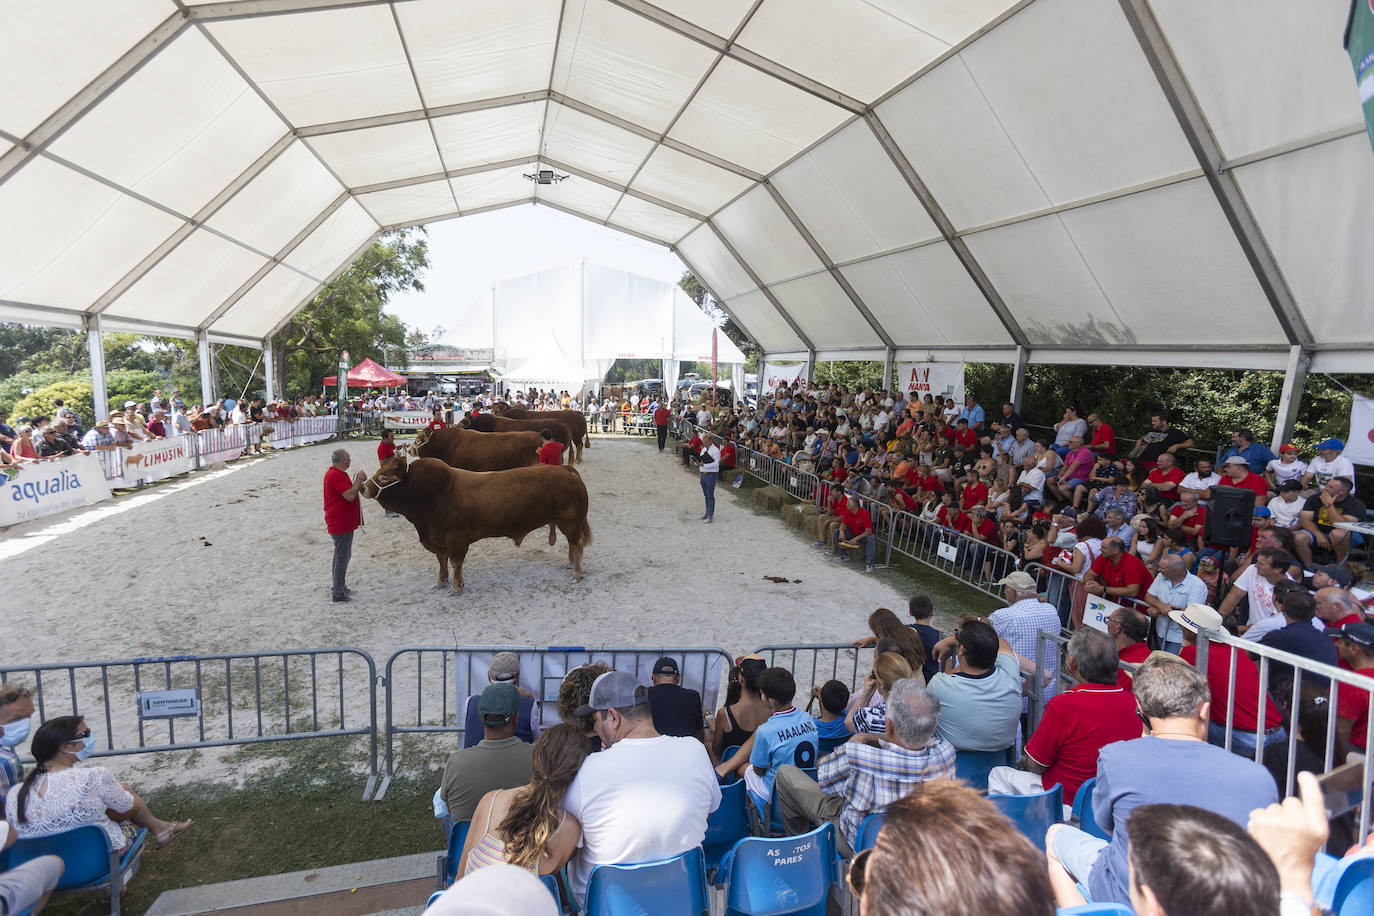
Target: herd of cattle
{"x": 482, "y": 479}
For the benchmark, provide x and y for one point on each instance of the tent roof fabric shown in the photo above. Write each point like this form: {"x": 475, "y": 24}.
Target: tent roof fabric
{"x": 369, "y": 374}
{"x": 1147, "y": 178}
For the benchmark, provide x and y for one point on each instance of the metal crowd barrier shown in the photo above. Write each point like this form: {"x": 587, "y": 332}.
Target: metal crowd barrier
{"x": 427, "y": 686}
{"x": 815, "y": 664}
{"x": 182, "y": 702}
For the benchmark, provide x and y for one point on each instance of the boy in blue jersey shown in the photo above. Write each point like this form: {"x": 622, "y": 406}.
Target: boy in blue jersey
{"x": 830, "y": 727}
{"x": 788, "y": 736}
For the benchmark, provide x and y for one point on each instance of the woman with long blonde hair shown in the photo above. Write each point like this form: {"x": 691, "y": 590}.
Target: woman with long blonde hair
{"x": 527, "y": 826}
{"x": 868, "y": 706}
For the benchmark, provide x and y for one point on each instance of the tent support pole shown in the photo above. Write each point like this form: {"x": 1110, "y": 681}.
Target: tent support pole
{"x": 207, "y": 390}
{"x": 1018, "y": 378}
{"x": 888, "y": 358}
{"x": 95, "y": 344}
{"x": 1294, "y": 381}
{"x": 269, "y": 370}
{"x": 810, "y": 367}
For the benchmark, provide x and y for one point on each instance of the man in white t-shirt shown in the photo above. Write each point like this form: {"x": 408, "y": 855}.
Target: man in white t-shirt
{"x": 1257, "y": 584}
{"x": 1329, "y": 463}
{"x": 1201, "y": 480}
{"x": 647, "y": 796}
{"x": 1031, "y": 482}
{"x": 703, "y": 417}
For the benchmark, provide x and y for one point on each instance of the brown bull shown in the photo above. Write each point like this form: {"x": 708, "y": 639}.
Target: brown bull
{"x": 451, "y": 508}
{"x": 489, "y": 423}
{"x": 577, "y": 423}
{"x": 471, "y": 450}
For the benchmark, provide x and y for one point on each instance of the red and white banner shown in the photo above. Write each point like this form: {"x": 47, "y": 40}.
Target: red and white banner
{"x": 945, "y": 380}
{"x": 406, "y": 419}
{"x": 1359, "y": 447}
{"x": 156, "y": 460}
{"x": 781, "y": 376}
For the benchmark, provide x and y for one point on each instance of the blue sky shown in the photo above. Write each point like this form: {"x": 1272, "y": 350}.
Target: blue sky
{"x": 467, "y": 254}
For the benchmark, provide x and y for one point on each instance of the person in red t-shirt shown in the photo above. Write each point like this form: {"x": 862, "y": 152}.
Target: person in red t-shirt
{"x": 1165, "y": 478}
{"x": 343, "y": 515}
{"x": 831, "y": 518}
{"x": 661, "y": 415}
{"x": 1245, "y": 712}
{"x": 727, "y": 455}
{"x": 974, "y": 492}
{"x": 387, "y": 449}
{"x": 1189, "y": 517}
{"x": 964, "y": 436}
{"x": 1104, "y": 437}
{"x": 1117, "y": 574}
{"x": 691, "y": 450}
{"x": 1236, "y": 473}
{"x": 1077, "y": 724}
{"x": 1355, "y": 643}
{"x": 550, "y": 452}
{"x": 438, "y": 421}
{"x": 1129, "y": 629}
{"x": 856, "y": 530}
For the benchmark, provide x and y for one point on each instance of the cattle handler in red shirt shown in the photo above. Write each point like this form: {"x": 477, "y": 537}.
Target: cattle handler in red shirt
{"x": 386, "y": 449}
{"x": 661, "y": 415}
{"x": 343, "y": 514}
{"x": 550, "y": 452}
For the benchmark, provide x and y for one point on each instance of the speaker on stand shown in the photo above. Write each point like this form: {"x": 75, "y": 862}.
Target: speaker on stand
{"x": 1230, "y": 514}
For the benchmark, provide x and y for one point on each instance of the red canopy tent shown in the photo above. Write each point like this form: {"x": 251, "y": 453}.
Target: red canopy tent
{"x": 368, "y": 374}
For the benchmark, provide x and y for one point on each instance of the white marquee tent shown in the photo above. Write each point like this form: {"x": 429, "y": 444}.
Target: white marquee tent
{"x": 1167, "y": 182}
{"x": 578, "y": 318}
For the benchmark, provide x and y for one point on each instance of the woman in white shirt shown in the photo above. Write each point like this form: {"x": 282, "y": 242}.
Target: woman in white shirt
{"x": 58, "y": 795}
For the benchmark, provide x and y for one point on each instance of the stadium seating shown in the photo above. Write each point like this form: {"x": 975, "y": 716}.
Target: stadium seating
{"x": 973, "y": 766}
{"x": 770, "y": 823}
{"x": 1096, "y": 909}
{"x": 1033, "y": 814}
{"x": 1083, "y": 810}
{"x": 769, "y": 876}
{"x": 447, "y": 863}
{"x": 727, "y": 825}
{"x": 89, "y": 861}
{"x": 622, "y": 890}
{"x": 868, "y": 831}
{"x": 827, "y": 745}
{"x": 1345, "y": 887}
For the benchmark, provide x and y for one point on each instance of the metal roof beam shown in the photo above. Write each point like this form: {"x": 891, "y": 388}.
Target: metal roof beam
{"x": 251, "y": 9}
{"x": 759, "y": 284}
{"x": 942, "y": 222}
{"x": 541, "y": 202}
{"x": 1174, "y": 84}
{"x": 829, "y": 263}
{"x": 404, "y": 117}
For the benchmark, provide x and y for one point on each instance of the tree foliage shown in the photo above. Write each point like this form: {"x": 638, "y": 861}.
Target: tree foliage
{"x": 702, "y": 297}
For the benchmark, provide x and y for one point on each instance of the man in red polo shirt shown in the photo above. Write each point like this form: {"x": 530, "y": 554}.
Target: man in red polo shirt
{"x": 1077, "y": 724}
{"x": 550, "y": 452}
{"x": 1129, "y": 629}
{"x": 856, "y": 530}
{"x": 1166, "y": 477}
{"x": 1118, "y": 573}
{"x": 1245, "y": 710}
{"x": 438, "y": 421}
{"x": 661, "y": 415}
{"x": 964, "y": 436}
{"x": 343, "y": 515}
{"x": 974, "y": 492}
{"x": 1104, "y": 438}
{"x": 1190, "y": 517}
{"x": 1235, "y": 472}
{"x": 1355, "y": 643}
{"x": 387, "y": 449}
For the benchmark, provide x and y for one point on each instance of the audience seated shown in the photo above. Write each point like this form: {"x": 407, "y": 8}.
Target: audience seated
{"x": 1173, "y": 589}
{"x": 573, "y": 693}
{"x": 58, "y": 794}
{"x": 910, "y": 645}
{"x": 834, "y": 699}
{"x": 1172, "y": 763}
{"x": 946, "y": 849}
{"x": 1077, "y": 724}
{"x": 1300, "y": 637}
{"x": 647, "y": 796}
{"x": 1024, "y": 617}
{"x": 868, "y": 705}
{"x": 676, "y": 709}
{"x": 499, "y": 761}
{"x": 495, "y": 891}
{"x": 788, "y": 736}
{"x": 870, "y": 771}
{"x": 980, "y": 699}
{"x": 1129, "y": 630}
{"x": 504, "y": 669}
{"x": 1355, "y": 644}
{"x": 736, "y": 721}
{"x": 16, "y": 711}
{"x": 922, "y": 611}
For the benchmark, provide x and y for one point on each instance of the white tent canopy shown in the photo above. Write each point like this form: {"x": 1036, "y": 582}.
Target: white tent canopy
{"x": 1043, "y": 180}
{"x": 549, "y": 368}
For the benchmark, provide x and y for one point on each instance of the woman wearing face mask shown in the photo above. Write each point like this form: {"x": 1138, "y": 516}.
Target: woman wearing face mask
{"x": 58, "y": 795}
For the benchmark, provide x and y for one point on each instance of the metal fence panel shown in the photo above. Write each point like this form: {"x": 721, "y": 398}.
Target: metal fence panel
{"x": 243, "y": 698}
{"x": 813, "y": 665}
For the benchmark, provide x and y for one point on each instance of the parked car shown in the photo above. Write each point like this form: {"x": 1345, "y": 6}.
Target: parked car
{"x": 702, "y": 390}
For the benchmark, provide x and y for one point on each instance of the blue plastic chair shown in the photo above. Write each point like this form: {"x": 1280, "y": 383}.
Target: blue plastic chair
{"x": 631, "y": 890}
{"x": 551, "y": 882}
{"x": 90, "y": 862}
{"x": 1346, "y": 886}
{"x": 433, "y": 897}
{"x": 973, "y": 766}
{"x": 727, "y": 825}
{"x": 447, "y": 865}
{"x": 1083, "y": 810}
{"x": 769, "y": 876}
{"x": 827, "y": 745}
{"x": 1095, "y": 909}
{"x": 868, "y": 831}
{"x": 1033, "y": 814}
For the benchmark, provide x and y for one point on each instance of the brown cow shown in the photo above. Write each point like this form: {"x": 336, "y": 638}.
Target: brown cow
{"x": 451, "y": 508}
{"x": 577, "y": 423}
{"x": 470, "y": 450}
{"x": 489, "y": 423}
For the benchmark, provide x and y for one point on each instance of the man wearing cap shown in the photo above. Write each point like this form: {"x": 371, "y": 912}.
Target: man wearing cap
{"x": 1172, "y": 764}
{"x": 1335, "y": 504}
{"x": 1172, "y": 589}
{"x": 499, "y": 761}
{"x": 676, "y": 709}
{"x": 57, "y": 444}
{"x": 1355, "y": 643}
{"x": 504, "y": 669}
{"x": 1245, "y": 710}
{"x": 1236, "y": 473}
{"x": 1335, "y": 575}
{"x": 647, "y": 796}
{"x": 1024, "y": 617}
{"x": 1329, "y": 463}
{"x": 98, "y": 438}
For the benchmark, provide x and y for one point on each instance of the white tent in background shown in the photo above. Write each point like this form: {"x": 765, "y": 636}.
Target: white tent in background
{"x": 551, "y": 369}
{"x": 585, "y": 315}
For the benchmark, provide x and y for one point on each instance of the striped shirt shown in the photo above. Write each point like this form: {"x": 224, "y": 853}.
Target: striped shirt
{"x": 870, "y": 778}
{"x": 11, "y": 771}
{"x": 1019, "y": 624}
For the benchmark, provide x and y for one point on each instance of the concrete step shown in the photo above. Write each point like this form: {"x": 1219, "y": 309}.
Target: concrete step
{"x": 362, "y": 888}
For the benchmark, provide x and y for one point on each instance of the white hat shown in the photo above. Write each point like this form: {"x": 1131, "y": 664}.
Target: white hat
{"x": 496, "y": 890}
{"x": 1197, "y": 617}
{"x": 1235, "y": 459}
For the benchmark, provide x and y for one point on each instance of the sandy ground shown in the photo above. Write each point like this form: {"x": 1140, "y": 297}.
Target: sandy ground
{"x": 238, "y": 560}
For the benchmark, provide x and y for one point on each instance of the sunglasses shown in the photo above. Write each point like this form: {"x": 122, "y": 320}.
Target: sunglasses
{"x": 858, "y": 869}
{"x": 1143, "y": 719}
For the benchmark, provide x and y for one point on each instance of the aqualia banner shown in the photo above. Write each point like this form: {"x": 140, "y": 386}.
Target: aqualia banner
{"x": 943, "y": 380}
{"x": 39, "y": 488}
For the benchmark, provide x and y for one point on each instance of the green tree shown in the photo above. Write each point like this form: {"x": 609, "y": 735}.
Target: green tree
{"x": 699, "y": 294}
{"x": 348, "y": 315}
